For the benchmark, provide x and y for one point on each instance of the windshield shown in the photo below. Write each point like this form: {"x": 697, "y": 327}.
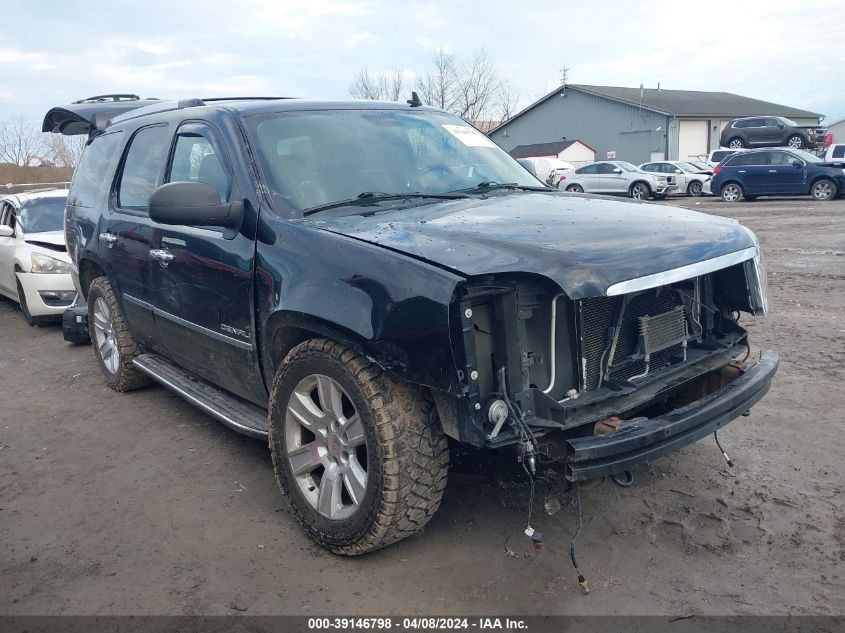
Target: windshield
{"x": 807, "y": 156}
{"x": 43, "y": 214}
{"x": 687, "y": 166}
{"x": 699, "y": 165}
{"x": 626, "y": 166}
{"x": 315, "y": 158}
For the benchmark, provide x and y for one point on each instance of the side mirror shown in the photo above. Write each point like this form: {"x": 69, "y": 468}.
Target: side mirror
{"x": 193, "y": 204}
{"x": 7, "y": 231}
{"x": 678, "y": 171}
{"x": 797, "y": 163}
{"x": 617, "y": 170}
{"x": 780, "y": 125}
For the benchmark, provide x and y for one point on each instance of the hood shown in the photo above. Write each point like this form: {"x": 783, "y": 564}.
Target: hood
{"x": 583, "y": 243}
{"x": 52, "y": 240}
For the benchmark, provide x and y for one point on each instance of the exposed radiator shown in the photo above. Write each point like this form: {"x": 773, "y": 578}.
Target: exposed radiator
{"x": 655, "y": 320}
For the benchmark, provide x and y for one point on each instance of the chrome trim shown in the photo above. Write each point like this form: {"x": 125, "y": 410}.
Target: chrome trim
{"x": 189, "y": 324}
{"x": 200, "y": 404}
{"x": 679, "y": 274}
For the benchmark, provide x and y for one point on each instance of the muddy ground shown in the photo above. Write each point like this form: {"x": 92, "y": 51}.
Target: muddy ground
{"x": 138, "y": 503}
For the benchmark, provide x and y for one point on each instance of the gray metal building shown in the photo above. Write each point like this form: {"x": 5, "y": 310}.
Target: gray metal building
{"x": 636, "y": 124}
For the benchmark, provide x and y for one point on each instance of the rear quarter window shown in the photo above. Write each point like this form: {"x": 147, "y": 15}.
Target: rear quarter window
{"x": 838, "y": 152}
{"x": 93, "y": 174}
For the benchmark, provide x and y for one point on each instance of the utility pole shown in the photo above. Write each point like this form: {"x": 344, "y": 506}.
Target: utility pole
{"x": 564, "y": 74}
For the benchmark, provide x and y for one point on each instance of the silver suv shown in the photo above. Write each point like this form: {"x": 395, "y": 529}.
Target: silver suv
{"x": 617, "y": 177}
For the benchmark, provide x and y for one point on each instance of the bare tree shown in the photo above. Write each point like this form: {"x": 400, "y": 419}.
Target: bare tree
{"x": 507, "y": 99}
{"x": 386, "y": 86}
{"x": 477, "y": 87}
{"x": 440, "y": 86}
{"x": 21, "y": 142}
{"x": 65, "y": 151}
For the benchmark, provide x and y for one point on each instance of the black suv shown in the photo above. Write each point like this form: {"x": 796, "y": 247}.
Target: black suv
{"x": 359, "y": 281}
{"x": 770, "y": 131}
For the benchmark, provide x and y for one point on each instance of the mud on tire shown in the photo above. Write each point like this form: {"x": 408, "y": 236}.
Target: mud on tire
{"x": 407, "y": 452}
{"x": 125, "y": 376}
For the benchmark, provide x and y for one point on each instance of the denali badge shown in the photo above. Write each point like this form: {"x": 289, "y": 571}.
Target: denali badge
{"x": 234, "y": 330}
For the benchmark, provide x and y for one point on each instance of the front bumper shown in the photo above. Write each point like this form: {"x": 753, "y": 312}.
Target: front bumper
{"x": 38, "y": 289}
{"x": 644, "y": 439}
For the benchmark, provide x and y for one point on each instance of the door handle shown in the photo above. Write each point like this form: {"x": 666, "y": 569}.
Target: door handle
{"x": 773, "y": 171}
{"x": 109, "y": 239}
{"x": 741, "y": 171}
{"x": 162, "y": 256}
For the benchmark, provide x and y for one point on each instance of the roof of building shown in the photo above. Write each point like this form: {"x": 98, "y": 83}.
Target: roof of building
{"x": 679, "y": 102}
{"x": 540, "y": 149}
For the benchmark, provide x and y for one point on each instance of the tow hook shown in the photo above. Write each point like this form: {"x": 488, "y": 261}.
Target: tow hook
{"x": 625, "y": 479}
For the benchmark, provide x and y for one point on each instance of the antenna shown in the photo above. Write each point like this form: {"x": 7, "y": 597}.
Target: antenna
{"x": 414, "y": 101}
{"x": 564, "y": 75}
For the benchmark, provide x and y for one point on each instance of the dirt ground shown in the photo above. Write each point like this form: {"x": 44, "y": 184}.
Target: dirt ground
{"x": 140, "y": 504}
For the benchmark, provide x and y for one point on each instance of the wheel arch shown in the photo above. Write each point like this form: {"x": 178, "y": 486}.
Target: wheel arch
{"x": 89, "y": 270}
{"x": 640, "y": 182}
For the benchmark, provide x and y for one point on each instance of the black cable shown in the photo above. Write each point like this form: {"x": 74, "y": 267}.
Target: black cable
{"x": 582, "y": 581}
{"x": 727, "y": 459}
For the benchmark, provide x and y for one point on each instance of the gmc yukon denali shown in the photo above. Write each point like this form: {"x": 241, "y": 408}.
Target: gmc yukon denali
{"x": 359, "y": 281}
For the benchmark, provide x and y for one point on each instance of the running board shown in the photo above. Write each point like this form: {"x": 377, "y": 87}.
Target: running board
{"x": 240, "y": 415}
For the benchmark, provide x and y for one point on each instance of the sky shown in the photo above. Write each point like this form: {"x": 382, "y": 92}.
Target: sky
{"x": 52, "y": 53}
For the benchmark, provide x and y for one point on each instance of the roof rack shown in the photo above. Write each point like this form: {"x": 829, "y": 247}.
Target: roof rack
{"x": 112, "y": 97}
{"x": 243, "y": 98}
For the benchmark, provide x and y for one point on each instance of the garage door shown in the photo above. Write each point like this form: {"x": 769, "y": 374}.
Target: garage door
{"x": 692, "y": 140}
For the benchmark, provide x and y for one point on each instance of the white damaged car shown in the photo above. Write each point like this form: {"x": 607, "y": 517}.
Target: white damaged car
{"x": 34, "y": 264}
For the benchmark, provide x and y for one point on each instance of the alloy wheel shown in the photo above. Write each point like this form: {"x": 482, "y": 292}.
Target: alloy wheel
{"x": 638, "y": 192}
{"x": 730, "y": 193}
{"x": 795, "y": 142}
{"x": 735, "y": 144}
{"x": 823, "y": 190}
{"x": 104, "y": 337}
{"x": 695, "y": 188}
{"x": 576, "y": 189}
{"x": 326, "y": 447}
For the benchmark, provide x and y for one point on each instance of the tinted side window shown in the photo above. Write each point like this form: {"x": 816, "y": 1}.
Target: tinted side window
{"x": 782, "y": 158}
{"x": 589, "y": 169}
{"x": 194, "y": 159}
{"x": 93, "y": 174}
{"x": 718, "y": 157}
{"x": 740, "y": 124}
{"x": 751, "y": 158}
{"x": 773, "y": 122}
{"x": 839, "y": 152}
{"x": 142, "y": 167}
{"x": 605, "y": 168}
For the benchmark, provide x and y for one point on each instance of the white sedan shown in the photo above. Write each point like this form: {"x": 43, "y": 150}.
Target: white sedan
{"x": 34, "y": 264}
{"x": 692, "y": 180}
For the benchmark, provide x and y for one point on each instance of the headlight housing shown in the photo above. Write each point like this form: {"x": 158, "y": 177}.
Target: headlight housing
{"x": 755, "y": 280}
{"x": 45, "y": 264}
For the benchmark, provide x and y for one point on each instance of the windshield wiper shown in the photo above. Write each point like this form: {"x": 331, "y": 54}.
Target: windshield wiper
{"x": 490, "y": 185}
{"x": 369, "y": 197}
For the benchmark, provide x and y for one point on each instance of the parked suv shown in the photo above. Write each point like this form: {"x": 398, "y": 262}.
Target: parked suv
{"x": 770, "y": 131}
{"x": 689, "y": 178}
{"x": 361, "y": 280}
{"x": 619, "y": 178}
{"x": 777, "y": 172}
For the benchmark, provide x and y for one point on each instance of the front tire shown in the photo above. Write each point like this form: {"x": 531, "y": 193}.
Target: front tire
{"x": 575, "y": 189}
{"x": 359, "y": 455}
{"x": 639, "y": 191}
{"x": 31, "y": 321}
{"x": 736, "y": 143}
{"x": 823, "y": 190}
{"x": 796, "y": 141}
{"x": 114, "y": 347}
{"x": 732, "y": 192}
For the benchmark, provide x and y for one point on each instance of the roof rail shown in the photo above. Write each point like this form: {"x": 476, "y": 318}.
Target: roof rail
{"x": 112, "y": 97}
{"x": 243, "y": 98}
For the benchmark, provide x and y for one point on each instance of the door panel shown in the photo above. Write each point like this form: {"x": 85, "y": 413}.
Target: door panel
{"x": 126, "y": 233}
{"x": 203, "y": 278}
{"x": 784, "y": 178}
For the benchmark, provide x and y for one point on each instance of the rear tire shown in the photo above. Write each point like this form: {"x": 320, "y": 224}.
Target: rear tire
{"x": 694, "y": 188}
{"x": 575, "y": 189}
{"x": 114, "y": 347}
{"x": 337, "y": 419}
{"x": 32, "y": 321}
{"x": 732, "y": 192}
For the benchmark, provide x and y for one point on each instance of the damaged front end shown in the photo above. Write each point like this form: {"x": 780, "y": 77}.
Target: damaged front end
{"x": 603, "y": 383}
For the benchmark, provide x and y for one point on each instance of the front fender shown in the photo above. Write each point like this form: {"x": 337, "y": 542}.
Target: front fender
{"x": 386, "y": 305}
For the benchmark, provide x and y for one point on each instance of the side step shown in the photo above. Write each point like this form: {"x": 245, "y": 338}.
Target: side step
{"x": 240, "y": 415}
